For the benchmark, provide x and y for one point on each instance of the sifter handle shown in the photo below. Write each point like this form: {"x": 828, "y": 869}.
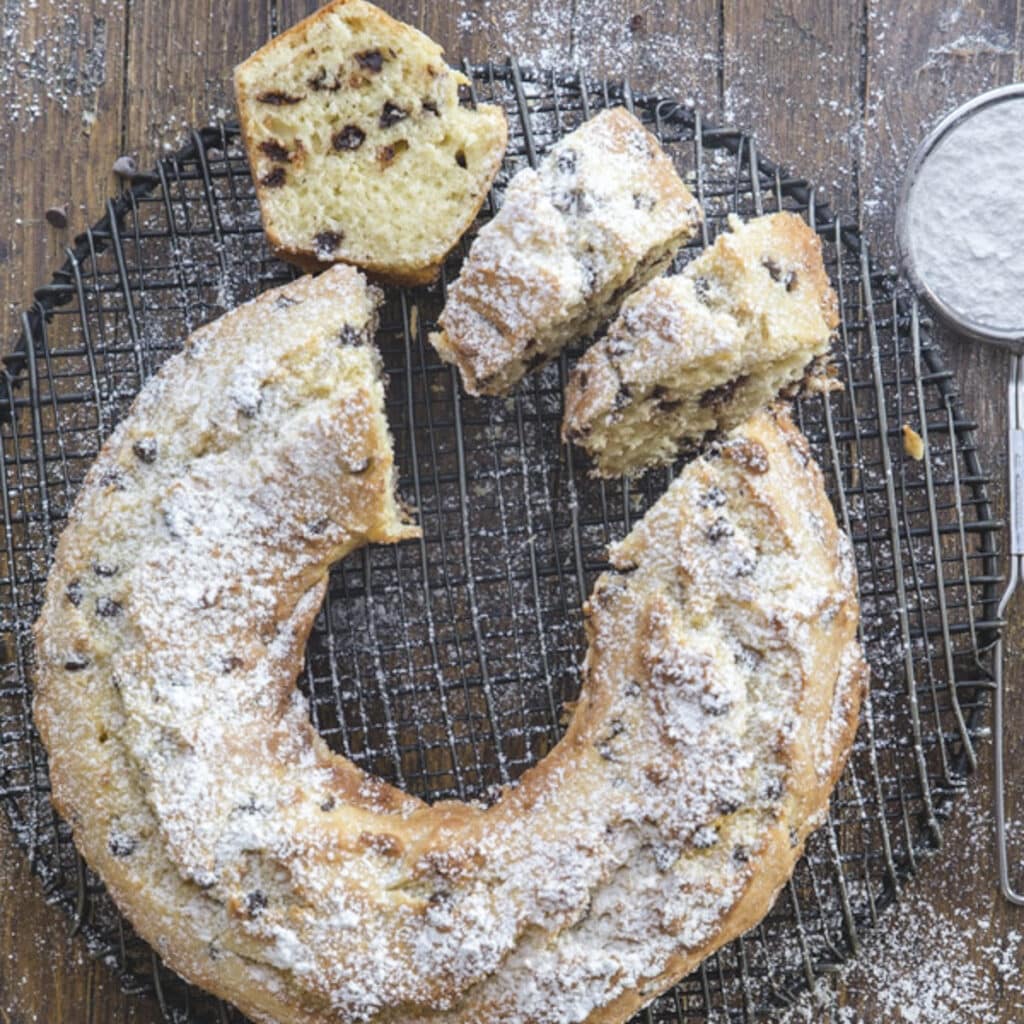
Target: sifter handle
{"x": 1015, "y": 504}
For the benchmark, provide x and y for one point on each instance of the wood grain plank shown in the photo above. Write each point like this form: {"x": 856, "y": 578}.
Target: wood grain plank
{"x": 792, "y": 76}
{"x": 181, "y": 54}
{"x": 921, "y": 62}
{"x": 61, "y": 68}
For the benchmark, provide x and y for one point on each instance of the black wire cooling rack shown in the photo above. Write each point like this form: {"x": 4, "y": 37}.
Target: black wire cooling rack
{"x": 443, "y": 664}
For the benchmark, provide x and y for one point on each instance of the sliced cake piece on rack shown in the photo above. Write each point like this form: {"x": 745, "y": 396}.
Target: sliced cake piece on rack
{"x": 603, "y": 214}
{"x": 363, "y": 145}
{"x": 700, "y": 352}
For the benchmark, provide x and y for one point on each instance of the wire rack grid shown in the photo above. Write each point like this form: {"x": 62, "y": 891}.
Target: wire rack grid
{"x": 443, "y": 664}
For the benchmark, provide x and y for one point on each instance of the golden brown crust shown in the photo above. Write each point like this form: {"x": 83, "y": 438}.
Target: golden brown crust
{"x": 384, "y": 215}
{"x": 722, "y": 686}
{"x": 699, "y": 353}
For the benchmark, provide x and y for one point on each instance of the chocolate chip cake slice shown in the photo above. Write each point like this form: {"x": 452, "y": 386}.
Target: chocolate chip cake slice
{"x": 697, "y": 353}
{"x": 364, "y": 145}
{"x": 603, "y": 214}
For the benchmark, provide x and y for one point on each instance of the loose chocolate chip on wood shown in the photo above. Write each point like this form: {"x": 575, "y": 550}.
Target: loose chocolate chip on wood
{"x": 371, "y": 60}
{"x": 326, "y": 242}
{"x": 104, "y": 569}
{"x": 392, "y": 114}
{"x": 273, "y": 149}
{"x": 76, "y": 662}
{"x": 279, "y": 99}
{"x": 74, "y": 592}
{"x": 107, "y": 608}
{"x": 275, "y": 178}
{"x": 57, "y": 216}
{"x": 121, "y": 845}
{"x": 145, "y": 450}
{"x": 349, "y": 138}
{"x": 126, "y": 167}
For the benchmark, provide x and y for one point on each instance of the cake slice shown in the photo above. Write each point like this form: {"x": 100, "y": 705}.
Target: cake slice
{"x": 363, "y": 145}
{"x": 700, "y": 352}
{"x": 603, "y": 214}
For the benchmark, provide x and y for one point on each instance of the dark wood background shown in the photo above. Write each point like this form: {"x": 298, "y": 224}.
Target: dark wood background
{"x": 840, "y": 91}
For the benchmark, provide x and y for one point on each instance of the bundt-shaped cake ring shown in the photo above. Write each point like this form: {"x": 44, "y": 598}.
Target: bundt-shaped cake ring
{"x": 721, "y": 691}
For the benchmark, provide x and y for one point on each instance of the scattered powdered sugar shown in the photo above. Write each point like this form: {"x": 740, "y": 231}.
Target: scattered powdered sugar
{"x": 965, "y": 220}
{"x": 939, "y": 958}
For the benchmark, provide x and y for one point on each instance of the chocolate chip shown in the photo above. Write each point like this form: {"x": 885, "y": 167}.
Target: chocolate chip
{"x": 121, "y": 845}
{"x": 664, "y": 403}
{"x": 278, "y": 99}
{"x": 326, "y": 242}
{"x": 431, "y": 106}
{"x": 74, "y": 592}
{"x": 359, "y": 466}
{"x": 317, "y": 528}
{"x": 256, "y": 902}
{"x": 350, "y": 337}
{"x": 619, "y": 347}
{"x": 112, "y": 478}
{"x": 247, "y": 406}
{"x": 104, "y": 569}
{"x": 76, "y": 662}
{"x": 57, "y": 217}
{"x": 773, "y": 269}
{"x": 350, "y": 137}
{"x": 392, "y": 114}
{"x": 772, "y": 789}
{"x": 715, "y": 398}
{"x": 273, "y": 149}
{"x": 126, "y": 167}
{"x": 145, "y": 450}
{"x": 327, "y": 804}
{"x": 107, "y": 608}
{"x": 566, "y": 161}
{"x": 790, "y": 281}
{"x": 275, "y": 178}
{"x": 460, "y": 159}
{"x": 229, "y": 662}
{"x": 719, "y": 529}
{"x": 728, "y": 805}
{"x": 705, "y": 837}
{"x": 581, "y": 379}
{"x": 318, "y": 82}
{"x": 714, "y": 497}
{"x": 465, "y": 94}
{"x": 371, "y": 60}
{"x": 741, "y": 854}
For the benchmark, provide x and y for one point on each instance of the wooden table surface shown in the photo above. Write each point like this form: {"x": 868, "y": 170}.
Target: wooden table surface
{"x": 840, "y": 91}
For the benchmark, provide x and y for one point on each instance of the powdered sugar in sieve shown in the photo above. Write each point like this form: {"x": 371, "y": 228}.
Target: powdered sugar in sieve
{"x": 961, "y": 220}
